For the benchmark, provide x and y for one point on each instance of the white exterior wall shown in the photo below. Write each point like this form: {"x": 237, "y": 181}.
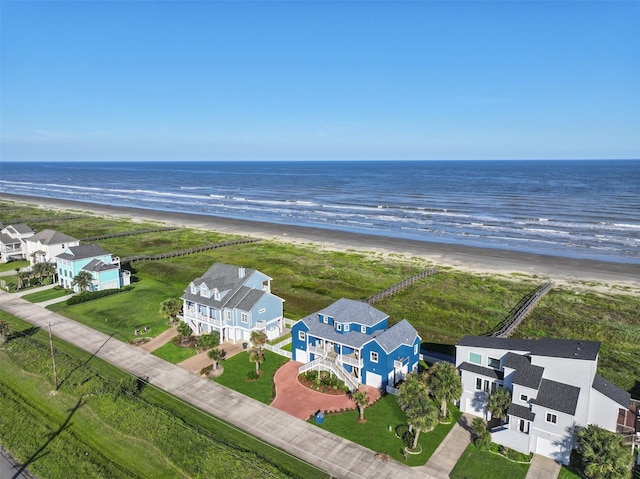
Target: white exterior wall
{"x": 552, "y": 440}
{"x": 518, "y": 390}
{"x": 50, "y": 251}
{"x": 603, "y": 411}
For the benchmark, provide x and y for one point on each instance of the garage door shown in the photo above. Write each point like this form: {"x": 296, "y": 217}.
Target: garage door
{"x": 475, "y": 407}
{"x": 553, "y": 449}
{"x": 301, "y": 356}
{"x": 374, "y": 380}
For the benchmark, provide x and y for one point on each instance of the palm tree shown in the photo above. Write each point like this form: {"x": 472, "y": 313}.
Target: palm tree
{"x": 361, "y": 398}
{"x": 5, "y": 331}
{"x": 215, "y": 355}
{"x": 413, "y": 387}
{"x": 445, "y": 384}
{"x": 170, "y": 308}
{"x": 499, "y": 403}
{"x": 604, "y": 454}
{"x": 258, "y": 339}
{"x": 184, "y": 329}
{"x": 49, "y": 269}
{"x": 83, "y": 280}
{"x": 422, "y": 415}
{"x": 257, "y": 356}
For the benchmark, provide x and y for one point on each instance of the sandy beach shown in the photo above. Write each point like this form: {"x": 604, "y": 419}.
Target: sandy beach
{"x": 579, "y": 273}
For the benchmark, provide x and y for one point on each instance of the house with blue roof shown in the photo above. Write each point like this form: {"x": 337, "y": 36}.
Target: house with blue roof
{"x": 555, "y": 390}
{"x": 234, "y": 301}
{"x": 103, "y": 267}
{"x": 353, "y": 340}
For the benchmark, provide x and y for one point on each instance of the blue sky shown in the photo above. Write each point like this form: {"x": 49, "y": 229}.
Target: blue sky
{"x": 317, "y": 80}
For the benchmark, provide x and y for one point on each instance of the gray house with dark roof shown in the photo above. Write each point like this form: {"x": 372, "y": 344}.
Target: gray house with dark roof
{"x": 352, "y": 339}
{"x": 554, "y": 387}
{"x": 12, "y": 242}
{"x": 234, "y": 301}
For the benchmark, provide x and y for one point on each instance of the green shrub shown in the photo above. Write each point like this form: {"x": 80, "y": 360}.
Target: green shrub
{"x": 252, "y": 375}
{"x": 90, "y": 295}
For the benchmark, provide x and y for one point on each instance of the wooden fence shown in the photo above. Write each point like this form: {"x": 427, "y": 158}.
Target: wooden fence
{"x": 521, "y": 311}
{"x": 399, "y": 286}
{"x": 184, "y": 252}
{"x": 128, "y": 233}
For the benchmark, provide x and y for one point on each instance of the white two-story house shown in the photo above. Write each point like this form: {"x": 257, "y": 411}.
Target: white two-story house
{"x": 554, "y": 387}
{"x": 234, "y": 301}
{"x": 47, "y": 244}
{"x": 12, "y": 242}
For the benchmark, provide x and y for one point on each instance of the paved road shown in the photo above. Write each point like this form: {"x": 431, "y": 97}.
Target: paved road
{"x": 331, "y": 453}
{"x": 543, "y": 468}
{"x": 9, "y": 469}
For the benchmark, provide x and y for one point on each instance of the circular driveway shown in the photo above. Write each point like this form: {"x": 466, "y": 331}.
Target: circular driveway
{"x": 302, "y": 402}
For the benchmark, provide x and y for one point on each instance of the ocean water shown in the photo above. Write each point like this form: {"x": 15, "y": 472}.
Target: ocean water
{"x": 580, "y": 209}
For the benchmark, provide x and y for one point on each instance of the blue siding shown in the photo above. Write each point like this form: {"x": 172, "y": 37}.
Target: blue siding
{"x": 296, "y": 343}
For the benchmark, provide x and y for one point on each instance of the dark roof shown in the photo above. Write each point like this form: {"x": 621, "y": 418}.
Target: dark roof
{"x": 354, "y": 339}
{"x": 51, "y": 237}
{"x": 525, "y": 374}
{"x": 557, "y": 396}
{"x": 6, "y": 239}
{"x": 612, "y": 391}
{"x": 488, "y": 372}
{"x": 98, "y": 266}
{"x": 351, "y": 311}
{"x": 398, "y": 334}
{"x": 20, "y": 228}
{"x": 521, "y": 411}
{"x": 83, "y": 252}
{"x": 557, "y": 348}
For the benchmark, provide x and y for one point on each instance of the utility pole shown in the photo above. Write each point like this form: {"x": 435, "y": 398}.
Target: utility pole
{"x": 53, "y": 358}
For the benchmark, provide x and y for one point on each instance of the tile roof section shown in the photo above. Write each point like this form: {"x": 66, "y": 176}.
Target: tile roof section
{"x": 557, "y": 396}
{"x": 83, "y": 252}
{"x": 351, "y": 311}
{"x": 612, "y": 391}
{"x": 398, "y": 334}
{"x": 52, "y": 237}
{"x": 521, "y": 411}
{"x": 558, "y": 348}
{"x": 488, "y": 372}
{"x": 525, "y": 373}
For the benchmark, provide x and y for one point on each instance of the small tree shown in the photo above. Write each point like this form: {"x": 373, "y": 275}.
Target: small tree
{"x": 257, "y": 356}
{"x": 170, "y": 308}
{"x": 604, "y": 454}
{"x": 422, "y": 415}
{"x": 361, "y": 398}
{"x": 258, "y": 339}
{"x": 482, "y": 435}
{"x": 445, "y": 384}
{"x": 215, "y": 355}
{"x": 83, "y": 280}
{"x": 499, "y": 403}
{"x": 5, "y": 331}
{"x": 184, "y": 329}
{"x": 413, "y": 387}
{"x": 208, "y": 341}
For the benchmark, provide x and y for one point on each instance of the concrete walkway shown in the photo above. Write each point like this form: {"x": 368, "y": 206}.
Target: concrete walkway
{"x": 201, "y": 360}
{"x": 543, "y": 468}
{"x": 445, "y": 457}
{"x": 160, "y": 340}
{"x": 331, "y": 453}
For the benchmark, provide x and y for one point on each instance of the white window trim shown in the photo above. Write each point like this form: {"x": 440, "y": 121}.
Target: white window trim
{"x": 244, "y": 318}
{"x": 478, "y": 383}
{"x": 363, "y": 329}
{"x": 338, "y": 326}
{"x": 346, "y": 327}
{"x": 302, "y": 336}
{"x": 473, "y": 362}
{"x": 372, "y": 355}
{"x": 524, "y": 397}
{"x": 262, "y": 310}
{"x": 415, "y": 349}
{"x": 551, "y": 415}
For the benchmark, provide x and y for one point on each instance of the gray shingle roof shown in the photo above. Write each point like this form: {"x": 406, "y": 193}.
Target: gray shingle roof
{"x": 526, "y": 374}
{"x": 95, "y": 265}
{"x": 354, "y": 339}
{"x": 398, "y": 334}
{"x": 83, "y": 252}
{"x": 21, "y": 228}
{"x": 612, "y": 391}
{"x": 351, "y": 311}
{"x": 521, "y": 411}
{"x": 557, "y": 396}
{"x": 488, "y": 372}
{"x": 558, "y": 348}
{"x": 6, "y": 239}
{"x": 52, "y": 237}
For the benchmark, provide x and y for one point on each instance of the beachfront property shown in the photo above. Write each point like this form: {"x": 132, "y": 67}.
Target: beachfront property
{"x": 352, "y": 340}
{"x": 554, "y": 387}
{"x": 103, "y": 267}
{"x": 12, "y": 242}
{"x": 234, "y": 301}
{"x": 44, "y": 246}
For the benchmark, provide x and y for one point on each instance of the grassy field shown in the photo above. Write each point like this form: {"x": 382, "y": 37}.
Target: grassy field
{"x": 46, "y": 295}
{"x": 478, "y": 464}
{"x": 12, "y": 265}
{"x": 90, "y": 426}
{"x": 235, "y": 375}
{"x": 174, "y": 353}
{"x": 375, "y": 434}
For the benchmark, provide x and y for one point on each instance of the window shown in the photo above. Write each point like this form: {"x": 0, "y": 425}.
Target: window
{"x": 244, "y": 317}
{"x": 494, "y": 386}
{"x": 493, "y": 363}
{"x": 552, "y": 418}
{"x": 228, "y": 315}
{"x": 374, "y": 357}
{"x": 339, "y": 326}
{"x": 363, "y": 329}
{"x": 325, "y": 319}
{"x": 475, "y": 358}
{"x": 479, "y": 384}
{"x": 523, "y": 426}
{"x": 262, "y": 310}
{"x": 415, "y": 349}
{"x": 302, "y": 336}
{"x": 524, "y": 397}
{"x": 346, "y": 327}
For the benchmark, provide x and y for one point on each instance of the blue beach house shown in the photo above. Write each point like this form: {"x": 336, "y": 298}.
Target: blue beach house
{"x": 104, "y": 268}
{"x": 353, "y": 340}
{"x": 234, "y": 301}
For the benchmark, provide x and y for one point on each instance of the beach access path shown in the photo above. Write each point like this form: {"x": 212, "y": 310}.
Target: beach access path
{"x": 333, "y": 454}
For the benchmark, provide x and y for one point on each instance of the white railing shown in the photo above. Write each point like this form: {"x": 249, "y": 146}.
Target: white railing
{"x": 327, "y": 365}
{"x": 277, "y": 350}
{"x": 349, "y": 360}
{"x": 316, "y": 350}
{"x": 202, "y": 317}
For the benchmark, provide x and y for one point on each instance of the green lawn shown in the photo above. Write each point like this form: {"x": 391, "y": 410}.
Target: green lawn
{"x": 566, "y": 473}
{"x": 46, "y": 295}
{"x": 235, "y": 374}
{"x": 479, "y": 464}
{"x": 174, "y": 353}
{"x": 12, "y": 265}
{"x": 375, "y": 435}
